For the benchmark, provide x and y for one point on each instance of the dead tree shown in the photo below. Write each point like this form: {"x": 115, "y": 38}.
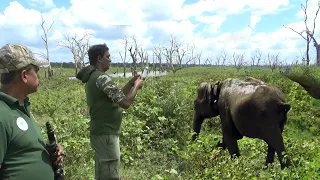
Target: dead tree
{"x": 218, "y": 60}
{"x": 73, "y": 43}
{"x": 154, "y": 57}
{"x": 82, "y": 45}
{"x": 224, "y": 57}
{"x": 133, "y": 54}
{"x": 198, "y": 57}
{"x": 180, "y": 53}
{"x": 168, "y": 52}
{"x": 256, "y": 58}
{"x": 208, "y": 61}
{"x": 309, "y": 34}
{"x": 192, "y": 56}
{"x": 238, "y": 61}
{"x": 143, "y": 58}
{"x": 45, "y": 39}
{"x": 124, "y": 58}
{"x": 273, "y": 61}
{"x": 158, "y": 53}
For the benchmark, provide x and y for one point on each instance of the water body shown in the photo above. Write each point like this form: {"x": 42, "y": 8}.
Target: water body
{"x": 128, "y": 74}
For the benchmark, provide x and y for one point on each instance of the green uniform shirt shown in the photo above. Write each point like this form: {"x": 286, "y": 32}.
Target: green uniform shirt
{"x": 22, "y": 148}
{"x": 103, "y": 96}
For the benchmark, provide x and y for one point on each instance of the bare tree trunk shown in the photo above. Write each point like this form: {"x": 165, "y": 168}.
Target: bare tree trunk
{"x": 318, "y": 54}
{"x": 45, "y": 39}
{"x": 307, "y": 52}
{"x": 309, "y": 34}
{"x": 124, "y": 59}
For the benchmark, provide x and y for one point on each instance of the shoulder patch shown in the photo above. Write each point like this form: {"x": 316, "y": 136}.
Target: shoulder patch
{"x": 22, "y": 124}
{"x": 103, "y": 78}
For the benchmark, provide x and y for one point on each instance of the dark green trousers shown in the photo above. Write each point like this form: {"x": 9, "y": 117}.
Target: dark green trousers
{"x": 107, "y": 156}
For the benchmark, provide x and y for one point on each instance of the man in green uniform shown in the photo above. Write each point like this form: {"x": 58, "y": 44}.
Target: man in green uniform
{"x": 105, "y": 100}
{"x": 23, "y": 153}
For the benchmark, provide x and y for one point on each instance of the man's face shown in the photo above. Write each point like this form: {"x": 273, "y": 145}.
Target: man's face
{"x": 105, "y": 61}
{"x": 30, "y": 79}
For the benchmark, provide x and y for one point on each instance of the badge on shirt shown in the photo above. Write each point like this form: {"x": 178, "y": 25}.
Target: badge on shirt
{"x": 22, "y": 124}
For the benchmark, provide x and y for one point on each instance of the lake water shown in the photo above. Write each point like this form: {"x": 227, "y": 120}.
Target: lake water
{"x": 128, "y": 74}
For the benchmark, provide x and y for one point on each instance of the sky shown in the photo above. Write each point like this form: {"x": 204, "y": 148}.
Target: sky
{"x": 235, "y": 26}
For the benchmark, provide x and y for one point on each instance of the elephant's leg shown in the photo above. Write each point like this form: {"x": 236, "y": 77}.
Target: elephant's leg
{"x": 229, "y": 134}
{"x": 271, "y": 151}
{"x": 230, "y": 139}
{"x": 232, "y": 146}
{"x": 223, "y": 144}
{"x": 275, "y": 140}
{"x": 197, "y": 122}
{"x": 270, "y": 155}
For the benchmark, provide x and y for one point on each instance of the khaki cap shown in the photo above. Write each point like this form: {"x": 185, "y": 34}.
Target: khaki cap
{"x": 16, "y": 56}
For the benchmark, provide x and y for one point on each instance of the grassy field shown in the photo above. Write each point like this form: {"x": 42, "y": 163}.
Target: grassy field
{"x": 156, "y": 130}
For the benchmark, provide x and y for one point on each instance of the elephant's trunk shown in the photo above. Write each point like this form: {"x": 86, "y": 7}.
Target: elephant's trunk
{"x": 197, "y": 122}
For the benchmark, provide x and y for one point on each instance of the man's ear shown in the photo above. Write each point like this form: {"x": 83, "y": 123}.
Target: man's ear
{"x": 23, "y": 76}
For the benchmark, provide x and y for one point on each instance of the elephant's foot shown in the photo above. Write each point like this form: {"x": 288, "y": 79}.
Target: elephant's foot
{"x": 194, "y": 137}
{"x": 267, "y": 164}
{"x": 236, "y": 155}
{"x": 222, "y": 145}
{"x": 285, "y": 163}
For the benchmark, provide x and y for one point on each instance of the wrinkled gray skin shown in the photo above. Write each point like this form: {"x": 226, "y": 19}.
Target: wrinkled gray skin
{"x": 247, "y": 107}
{"x": 310, "y": 84}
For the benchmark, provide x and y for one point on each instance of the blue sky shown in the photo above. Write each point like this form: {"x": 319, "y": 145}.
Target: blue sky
{"x": 209, "y": 25}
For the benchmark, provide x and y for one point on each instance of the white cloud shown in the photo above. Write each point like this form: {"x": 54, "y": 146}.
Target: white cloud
{"x": 152, "y": 23}
{"x": 254, "y": 20}
{"x": 227, "y": 7}
{"x": 262, "y": 7}
{"x": 13, "y": 18}
{"x": 42, "y": 3}
{"x": 214, "y": 22}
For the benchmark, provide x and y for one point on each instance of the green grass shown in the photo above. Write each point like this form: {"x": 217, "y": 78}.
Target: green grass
{"x": 156, "y": 130}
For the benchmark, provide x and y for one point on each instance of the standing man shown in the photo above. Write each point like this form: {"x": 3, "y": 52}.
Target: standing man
{"x": 23, "y": 153}
{"x": 105, "y": 100}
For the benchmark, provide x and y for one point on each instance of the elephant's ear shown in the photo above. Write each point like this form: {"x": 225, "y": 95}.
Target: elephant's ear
{"x": 215, "y": 88}
{"x": 203, "y": 92}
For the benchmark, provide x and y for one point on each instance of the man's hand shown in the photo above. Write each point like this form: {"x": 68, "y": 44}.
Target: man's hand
{"x": 60, "y": 155}
{"x": 134, "y": 78}
{"x": 139, "y": 83}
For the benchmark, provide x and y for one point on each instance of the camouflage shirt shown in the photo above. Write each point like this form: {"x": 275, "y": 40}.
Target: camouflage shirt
{"x": 106, "y": 85}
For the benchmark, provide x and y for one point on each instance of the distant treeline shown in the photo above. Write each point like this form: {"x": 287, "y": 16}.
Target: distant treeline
{"x": 138, "y": 65}
{"x": 128, "y": 65}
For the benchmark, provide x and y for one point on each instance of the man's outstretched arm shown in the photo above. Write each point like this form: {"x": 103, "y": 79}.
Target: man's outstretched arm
{"x": 106, "y": 84}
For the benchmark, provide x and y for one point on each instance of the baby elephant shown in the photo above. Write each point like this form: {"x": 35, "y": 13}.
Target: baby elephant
{"x": 247, "y": 107}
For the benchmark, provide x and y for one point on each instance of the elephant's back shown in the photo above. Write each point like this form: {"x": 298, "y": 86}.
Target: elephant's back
{"x": 241, "y": 88}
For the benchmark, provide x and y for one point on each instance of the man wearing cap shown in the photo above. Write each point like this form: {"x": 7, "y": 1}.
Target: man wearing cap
{"x": 23, "y": 153}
